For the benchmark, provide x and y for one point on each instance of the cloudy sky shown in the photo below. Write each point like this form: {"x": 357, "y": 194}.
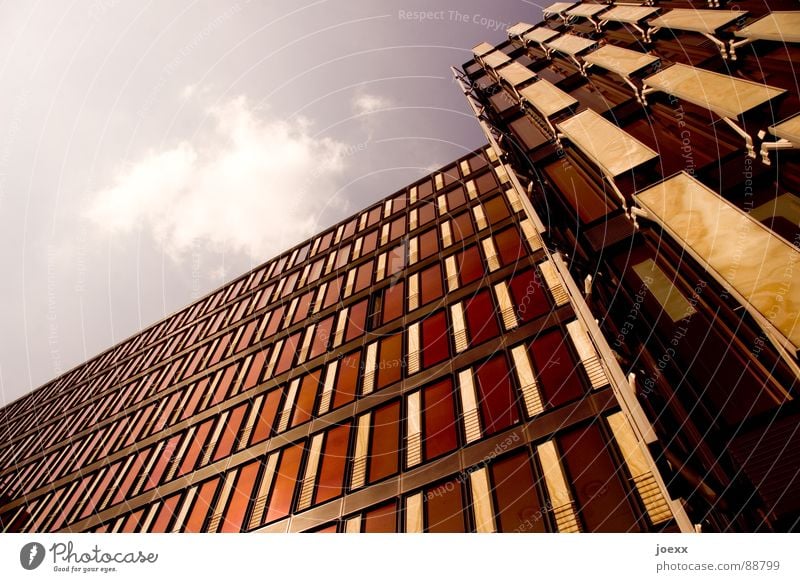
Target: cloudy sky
{"x": 151, "y": 151}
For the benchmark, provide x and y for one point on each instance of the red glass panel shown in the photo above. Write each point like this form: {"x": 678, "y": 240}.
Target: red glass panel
{"x": 470, "y": 265}
{"x": 275, "y": 319}
{"x": 240, "y": 498}
{"x": 424, "y": 189}
{"x": 556, "y": 371}
{"x": 495, "y": 209}
{"x": 382, "y": 519}
{"x": 332, "y": 292}
{"x": 481, "y": 320}
{"x": 202, "y": 504}
{"x": 303, "y": 306}
{"x": 224, "y": 385}
{"x": 456, "y": 198}
{"x": 307, "y": 395}
{"x": 374, "y": 215}
{"x": 132, "y": 522}
{"x": 601, "y": 498}
{"x": 322, "y": 336}
{"x": 496, "y": 394}
{"x": 428, "y": 244}
{"x": 230, "y": 432}
{"x": 167, "y": 454}
{"x": 333, "y": 463}
{"x": 518, "y": 506}
{"x": 462, "y": 227}
{"x": 384, "y": 457}
{"x": 347, "y": 380}
{"x": 266, "y": 417}
{"x": 431, "y": 284}
{"x": 509, "y": 246}
{"x": 439, "y": 435}
{"x": 397, "y": 228}
{"x": 256, "y": 368}
{"x": 390, "y": 361}
{"x": 356, "y": 320}
{"x": 166, "y": 513}
{"x": 530, "y": 300}
{"x": 426, "y": 213}
{"x": 195, "y": 448}
{"x": 285, "y": 479}
{"x": 393, "y": 300}
{"x": 444, "y": 508}
{"x": 288, "y": 353}
{"x": 370, "y": 243}
{"x": 435, "y": 340}
{"x": 363, "y": 277}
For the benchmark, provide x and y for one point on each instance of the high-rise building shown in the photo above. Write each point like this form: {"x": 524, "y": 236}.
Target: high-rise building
{"x": 658, "y": 142}
{"x": 545, "y": 335}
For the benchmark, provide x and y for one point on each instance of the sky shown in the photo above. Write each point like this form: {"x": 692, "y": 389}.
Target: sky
{"x": 152, "y": 151}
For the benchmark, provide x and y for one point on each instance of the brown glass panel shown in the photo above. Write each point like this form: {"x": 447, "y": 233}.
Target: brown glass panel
{"x": 356, "y": 320}
{"x": 332, "y": 293}
{"x": 495, "y": 209}
{"x": 396, "y": 260}
{"x": 556, "y": 371}
{"x": 424, "y": 189}
{"x": 481, "y": 320}
{"x": 517, "y": 500}
{"x": 444, "y": 508}
{"x": 382, "y": 519}
{"x": 462, "y": 227}
{"x": 224, "y": 385}
{"x": 256, "y": 368}
{"x": 234, "y": 516}
{"x": 456, "y": 198}
{"x": 342, "y": 255}
{"x": 439, "y": 419}
{"x": 374, "y": 216}
{"x": 435, "y": 340}
{"x": 315, "y": 271}
{"x": 132, "y": 522}
{"x": 397, "y": 228}
{"x": 275, "y": 320}
{"x": 325, "y": 242}
{"x": 266, "y": 417}
{"x": 101, "y": 489}
{"x": 370, "y": 243}
{"x": 509, "y": 246}
{"x": 349, "y": 229}
{"x": 285, "y": 479}
{"x": 595, "y": 478}
{"x": 363, "y": 277}
{"x": 333, "y": 464}
{"x": 470, "y": 265}
{"x": 167, "y": 455}
{"x": 485, "y": 183}
{"x": 195, "y": 450}
{"x": 399, "y": 202}
{"x": 287, "y": 354}
{"x": 427, "y": 212}
{"x": 496, "y": 394}
{"x": 131, "y": 476}
{"x": 347, "y": 379}
{"x": 303, "y": 306}
{"x": 322, "y": 336}
{"x": 304, "y": 405}
{"x": 390, "y": 361}
{"x": 202, "y": 504}
{"x": 384, "y": 457}
{"x": 166, "y": 513}
{"x": 431, "y": 284}
{"x": 230, "y": 432}
{"x": 530, "y": 299}
{"x": 428, "y": 244}
{"x": 393, "y": 300}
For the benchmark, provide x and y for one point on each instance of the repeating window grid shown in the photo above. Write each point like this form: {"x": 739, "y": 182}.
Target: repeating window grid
{"x": 469, "y": 406}
{"x": 360, "y": 452}
{"x": 506, "y": 306}
{"x": 482, "y": 505}
{"x": 306, "y": 345}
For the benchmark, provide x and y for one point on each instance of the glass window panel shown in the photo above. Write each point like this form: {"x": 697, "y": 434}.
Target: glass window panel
{"x": 601, "y": 498}
{"x": 303, "y": 305}
{"x": 496, "y": 209}
{"x": 347, "y": 380}
{"x": 496, "y": 394}
{"x": 390, "y": 360}
{"x": 394, "y": 296}
{"x": 374, "y": 216}
{"x": 275, "y": 320}
{"x": 332, "y": 293}
{"x": 486, "y": 183}
{"x": 288, "y": 353}
{"x": 202, "y": 504}
{"x": 427, "y": 212}
{"x": 230, "y": 432}
{"x": 428, "y": 244}
{"x": 399, "y": 202}
{"x": 462, "y": 227}
{"x": 396, "y": 260}
{"x": 481, "y": 319}
{"x": 285, "y": 479}
{"x": 556, "y": 371}
{"x": 431, "y": 287}
{"x": 349, "y": 229}
{"x": 166, "y": 456}
{"x": 316, "y": 270}
{"x": 439, "y": 436}
{"x": 195, "y": 448}
{"x": 165, "y": 514}
{"x": 444, "y": 508}
{"x": 322, "y": 337}
{"x": 133, "y": 520}
{"x": 530, "y": 299}
{"x": 425, "y": 189}
{"x": 333, "y": 464}
{"x": 266, "y": 416}
{"x": 325, "y": 242}
{"x": 470, "y": 265}
{"x": 456, "y": 198}
{"x": 435, "y": 340}
{"x": 515, "y": 494}
{"x": 363, "y": 277}
{"x": 307, "y": 395}
{"x": 384, "y": 459}
{"x": 382, "y": 519}
{"x": 356, "y": 320}
{"x": 370, "y": 243}
{"x": 509, "y": 246}
{"x": 240, "y": 498}
{"x": 397, "y": 228}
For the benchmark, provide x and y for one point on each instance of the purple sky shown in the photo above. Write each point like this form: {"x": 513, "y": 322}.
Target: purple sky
{"x": 151, "y": 151}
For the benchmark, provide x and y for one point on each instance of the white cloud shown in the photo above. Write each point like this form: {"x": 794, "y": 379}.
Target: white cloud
{"x": 365, "y": 103}
{"x": 252, "y": 184}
